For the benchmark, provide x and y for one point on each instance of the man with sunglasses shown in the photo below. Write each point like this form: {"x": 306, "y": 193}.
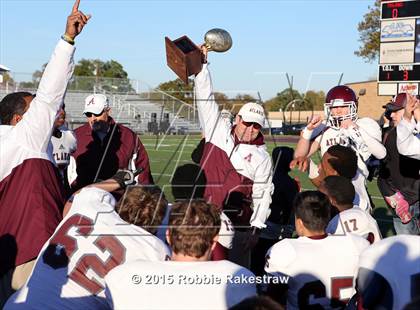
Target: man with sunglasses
{"x": 236, "y": 164}
{"x": 103, "y": 147}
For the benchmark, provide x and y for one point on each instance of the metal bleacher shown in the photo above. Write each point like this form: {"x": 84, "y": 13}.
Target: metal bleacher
{"x": 134, "y": 110}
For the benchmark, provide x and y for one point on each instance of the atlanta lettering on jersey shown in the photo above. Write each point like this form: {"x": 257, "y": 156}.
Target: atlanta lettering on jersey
{"x": 61, "y": 156}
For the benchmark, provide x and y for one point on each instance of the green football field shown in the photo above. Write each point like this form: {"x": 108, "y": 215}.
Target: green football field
{"x": 168, "y": 152}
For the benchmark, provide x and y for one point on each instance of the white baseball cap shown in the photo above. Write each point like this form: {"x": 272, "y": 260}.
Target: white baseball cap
{"x": 95, "y": 103}
{"x": 252, "y": 112}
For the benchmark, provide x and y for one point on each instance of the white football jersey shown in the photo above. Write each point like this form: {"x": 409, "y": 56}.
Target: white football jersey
{"x": 397, "y": 260}
{"x": 322, "y": 271}
{"x": 90, "y": 241}
{"x": 178, "y": 285}
{"x": 365, "y": 141}
{"x": 62, "y": 147}
{"x": 355, "y": 221}
{"x": 356, "y": 138}
{"x": 361, "y": 197}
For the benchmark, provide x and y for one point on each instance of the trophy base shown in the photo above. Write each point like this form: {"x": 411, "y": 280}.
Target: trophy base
{"x": 183, "y": 57}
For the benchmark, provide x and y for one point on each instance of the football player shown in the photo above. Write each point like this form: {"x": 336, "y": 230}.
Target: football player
{"x": 389, "y": 273}
{"x": 342, "y": 161}
{"x": 342, "y": 126}
{"x": 190, "y": 280}
{"x": 95, "y": 236}
{"x": 321, "y": 267}
{"x": 63, "y": 143}
{"x": 350, "y": 219}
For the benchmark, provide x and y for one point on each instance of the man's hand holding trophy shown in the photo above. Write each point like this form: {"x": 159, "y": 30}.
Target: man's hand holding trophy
{"x": 186, "y": 58}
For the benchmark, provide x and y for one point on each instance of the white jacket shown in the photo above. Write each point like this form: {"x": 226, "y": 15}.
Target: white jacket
{"x": 249, "y": 160}
{"x": 408, "y": 138}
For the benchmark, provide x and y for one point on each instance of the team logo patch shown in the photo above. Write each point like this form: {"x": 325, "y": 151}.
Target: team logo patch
{"x": 248, "y": 157}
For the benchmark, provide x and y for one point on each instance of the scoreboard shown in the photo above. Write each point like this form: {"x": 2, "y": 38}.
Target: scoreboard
{"x": 399, "y": 55}
{"x": 400, "y": 9}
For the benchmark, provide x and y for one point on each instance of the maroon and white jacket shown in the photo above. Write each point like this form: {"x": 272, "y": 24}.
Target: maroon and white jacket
{"x": 230, "y": 166}
{"x": 125, "y": 151}
{"x": 31, "y": 197}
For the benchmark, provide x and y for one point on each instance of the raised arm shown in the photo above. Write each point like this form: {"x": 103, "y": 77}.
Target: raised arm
{"x": 207, "y": 106}
{"x": 120, "y": 180}
{"x": 34, "y": 130}
{"x": 370, "y": 133}
{"x": 208, "y": 110}
{"x": 307, "y": 145}
{"x": 408, "y": 143}
{"x": 408, "y": 130}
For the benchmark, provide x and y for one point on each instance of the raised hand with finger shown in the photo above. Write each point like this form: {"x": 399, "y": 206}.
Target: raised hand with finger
{"x": 412, "y": 102}
{"x": 314, "y": 122}
{"x": 75, "y": 23}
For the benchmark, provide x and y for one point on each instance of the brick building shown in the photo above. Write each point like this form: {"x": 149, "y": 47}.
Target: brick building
{"x": 370, "y": 104}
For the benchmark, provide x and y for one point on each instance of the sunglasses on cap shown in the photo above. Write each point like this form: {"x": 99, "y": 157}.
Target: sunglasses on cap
{"x": 248, "y": 124}
{"x": 89, "y": 114}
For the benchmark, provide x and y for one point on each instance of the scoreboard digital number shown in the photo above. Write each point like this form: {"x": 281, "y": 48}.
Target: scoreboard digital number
{"x": 399, "y": 52}
{"x": 408, "y": 73}
{"x": 400, "y": 9}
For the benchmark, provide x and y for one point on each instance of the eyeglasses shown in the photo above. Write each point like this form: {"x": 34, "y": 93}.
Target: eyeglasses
{"x": 255, "y": 125}
{"x": 89, "y": 114}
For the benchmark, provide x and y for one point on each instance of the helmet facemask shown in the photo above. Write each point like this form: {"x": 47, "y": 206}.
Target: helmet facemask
{"x": 335, "y": 121}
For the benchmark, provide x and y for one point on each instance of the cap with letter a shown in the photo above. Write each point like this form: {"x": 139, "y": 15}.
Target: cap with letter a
{"x": 96, "y": 103}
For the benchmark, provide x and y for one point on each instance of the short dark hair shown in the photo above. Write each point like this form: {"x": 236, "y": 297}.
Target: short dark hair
{"x": 313, "y": 208}
{"x": 340, "y": 189}
{"x": 344, "y": 161}
{"x": 12, "y": 104}
{"x": 192, "y": 227}
{"x": 188, "y": 182}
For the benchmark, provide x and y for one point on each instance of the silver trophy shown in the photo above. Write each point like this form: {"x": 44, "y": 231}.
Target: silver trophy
{"x": 218, "y": 40}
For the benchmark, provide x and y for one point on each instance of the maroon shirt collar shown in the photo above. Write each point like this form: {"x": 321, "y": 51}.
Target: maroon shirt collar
{"x": 318, "y": 237}
{"x": 258, "y": 141}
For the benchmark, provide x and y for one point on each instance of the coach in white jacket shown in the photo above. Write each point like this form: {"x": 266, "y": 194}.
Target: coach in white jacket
{"x": 236, "y": 163}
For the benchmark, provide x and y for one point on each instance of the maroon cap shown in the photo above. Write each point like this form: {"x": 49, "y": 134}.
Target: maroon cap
{"x": 397, "y": 103}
